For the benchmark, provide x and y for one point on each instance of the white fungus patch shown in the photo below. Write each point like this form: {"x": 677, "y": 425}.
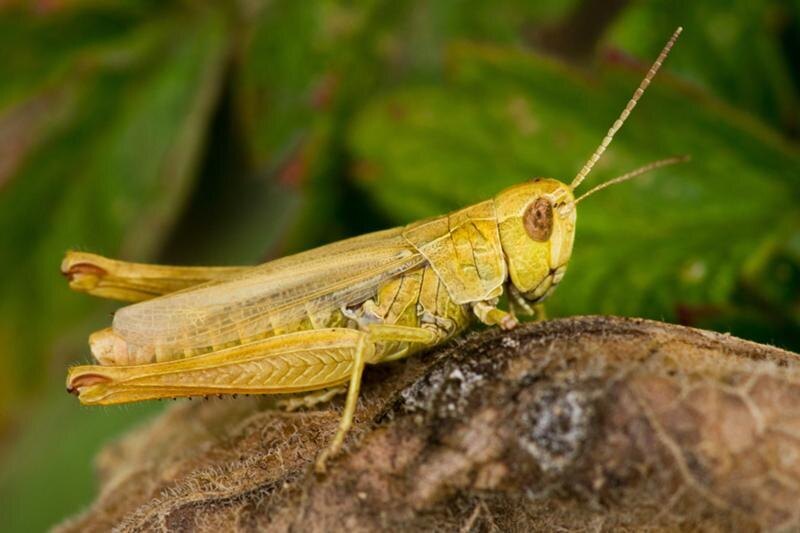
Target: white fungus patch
{"x": 446, "y": 389}
{"x": 509, "y": 342}
{"x": 559, "y": 422}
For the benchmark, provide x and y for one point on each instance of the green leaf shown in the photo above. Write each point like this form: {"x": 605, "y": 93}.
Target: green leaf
{"x": 742, "y": 51}
{"x": 286, "y": 97}
{"x": 107, "y": 171}
{"x": 307, "y": 67}
{"x": 679, "y": 237}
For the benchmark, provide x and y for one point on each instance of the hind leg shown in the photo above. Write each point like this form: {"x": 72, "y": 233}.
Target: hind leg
{"x": 133, "y": 282}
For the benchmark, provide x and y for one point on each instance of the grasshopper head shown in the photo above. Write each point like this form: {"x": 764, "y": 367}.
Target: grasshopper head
{"x": 537, "y": 229}
{"x": 537, "y": 219}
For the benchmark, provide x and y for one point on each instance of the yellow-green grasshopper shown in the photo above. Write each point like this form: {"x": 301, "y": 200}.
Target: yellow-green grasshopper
{"x": 312, "y": 321}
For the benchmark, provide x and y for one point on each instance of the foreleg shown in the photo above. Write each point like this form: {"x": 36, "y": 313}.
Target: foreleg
{"x": 519, "y": 305}
{"x": 490, "y": 315}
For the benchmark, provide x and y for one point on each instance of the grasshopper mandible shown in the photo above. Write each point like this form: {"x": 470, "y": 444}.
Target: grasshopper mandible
{"x": 312, "y": 321}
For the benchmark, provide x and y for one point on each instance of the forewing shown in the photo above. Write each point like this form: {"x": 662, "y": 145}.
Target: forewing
{"x": 268, "y": 298}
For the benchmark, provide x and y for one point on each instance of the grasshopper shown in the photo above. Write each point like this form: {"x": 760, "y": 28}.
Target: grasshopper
{"x": 312, "y": 321}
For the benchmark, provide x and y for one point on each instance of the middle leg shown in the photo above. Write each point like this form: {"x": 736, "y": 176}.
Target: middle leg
{"x": 375, "y": 333}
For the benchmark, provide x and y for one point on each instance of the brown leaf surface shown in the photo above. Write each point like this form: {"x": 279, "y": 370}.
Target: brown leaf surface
{"x": 585, "y": 423}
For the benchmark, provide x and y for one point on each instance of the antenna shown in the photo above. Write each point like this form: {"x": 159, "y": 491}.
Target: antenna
{"x": 625, "y": 112}
{"x": 634, "y": 173}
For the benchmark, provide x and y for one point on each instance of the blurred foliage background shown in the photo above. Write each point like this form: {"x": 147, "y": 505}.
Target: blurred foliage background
{"x": 234, "y": 132}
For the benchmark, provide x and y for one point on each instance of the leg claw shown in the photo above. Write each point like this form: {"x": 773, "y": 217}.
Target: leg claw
{"x": 509, "y": 322}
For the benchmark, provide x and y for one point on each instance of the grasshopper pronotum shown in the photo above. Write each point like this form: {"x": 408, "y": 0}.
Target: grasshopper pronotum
{"x": 312, "y": 321}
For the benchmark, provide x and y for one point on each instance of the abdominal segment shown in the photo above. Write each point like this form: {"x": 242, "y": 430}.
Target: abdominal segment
{"x": 110, "y": 348}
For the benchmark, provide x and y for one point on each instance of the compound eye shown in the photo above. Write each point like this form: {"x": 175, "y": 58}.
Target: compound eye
{"x": 538, "y": 219}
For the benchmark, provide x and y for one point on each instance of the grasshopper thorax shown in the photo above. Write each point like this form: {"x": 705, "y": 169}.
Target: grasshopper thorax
{"x": 537, "y": 229}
